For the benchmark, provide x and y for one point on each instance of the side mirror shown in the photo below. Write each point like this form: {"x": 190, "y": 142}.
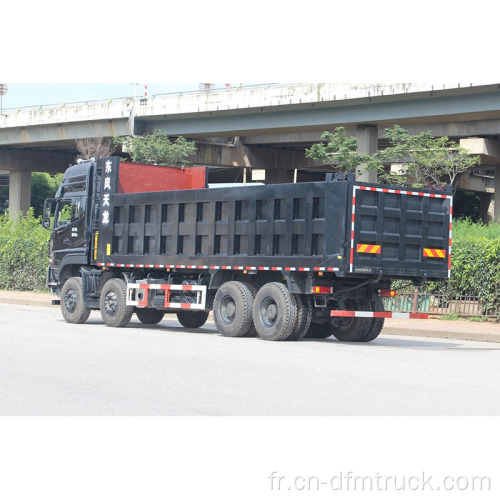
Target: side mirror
{"x": 46, "y": 213}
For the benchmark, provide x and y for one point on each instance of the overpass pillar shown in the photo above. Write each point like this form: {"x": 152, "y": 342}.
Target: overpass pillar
{"x": 367, "y": 145}
{"x": 19, "y": 190}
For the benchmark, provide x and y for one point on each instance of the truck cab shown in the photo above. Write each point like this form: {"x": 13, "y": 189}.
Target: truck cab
{"x": 69, "y": 219}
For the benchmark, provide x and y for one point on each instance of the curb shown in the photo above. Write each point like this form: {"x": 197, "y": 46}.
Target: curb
{"x": 481, "y": 337}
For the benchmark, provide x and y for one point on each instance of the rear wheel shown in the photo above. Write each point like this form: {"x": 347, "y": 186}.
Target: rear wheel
{"x": 351, "y": 329}
{"x": 72, "y": 304}
{"x": 376, "y": 324}
{"x": 149, "y": 316}
{"x": 192, "y": 319}
{"x": 113, "y": 304}
{"x": 304, "y": 317}
{"x": 274, "y": 312}
{"x": 318, "y": 331}
{"x": 253, "y": 290}
{"x": 233, "y": 309}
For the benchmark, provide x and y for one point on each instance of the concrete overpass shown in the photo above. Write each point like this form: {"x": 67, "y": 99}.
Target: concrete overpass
{"x": 264, "y": 127}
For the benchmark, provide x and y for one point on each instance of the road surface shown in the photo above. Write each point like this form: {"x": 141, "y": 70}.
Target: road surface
{"x": 49, "y": 367}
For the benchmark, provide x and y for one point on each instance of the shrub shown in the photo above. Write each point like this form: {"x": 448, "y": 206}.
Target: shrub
{"x": 475, "y": 263}
{"x": 23, "y": 252}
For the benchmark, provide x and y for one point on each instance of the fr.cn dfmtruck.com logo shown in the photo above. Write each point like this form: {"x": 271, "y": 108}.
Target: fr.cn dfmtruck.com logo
{"x": 349, "y": 481}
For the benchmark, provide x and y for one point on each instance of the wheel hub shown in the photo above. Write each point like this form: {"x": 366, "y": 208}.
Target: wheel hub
{"x": 111, "y": 303}
{"x": 70, "y": 301}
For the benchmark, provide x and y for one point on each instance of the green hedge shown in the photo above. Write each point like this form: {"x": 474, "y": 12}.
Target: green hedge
{"x": 23, "y": 252}
{"x": 475, "y": 262}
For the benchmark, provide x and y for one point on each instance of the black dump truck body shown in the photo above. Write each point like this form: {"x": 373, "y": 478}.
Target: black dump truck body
{"x": 286, "y": 258}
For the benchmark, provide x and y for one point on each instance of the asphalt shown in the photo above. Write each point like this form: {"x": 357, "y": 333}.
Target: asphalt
{"x": 434, "y": 328}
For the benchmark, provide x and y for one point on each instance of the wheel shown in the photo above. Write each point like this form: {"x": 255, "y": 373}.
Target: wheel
{"x": 233, "y": 309}
{"x": 113, "y": 303}
{"x": 274, "y": 312}
{"x": 304, "y": 317}
{"x": 149, "y": 316}
{"x": 351, "y": 329}
{"x": 253, "y": 290}
{"x": 72, "y": 304}
{"x": 192, "y": 319}
{"x": 318, "y": 331}
{"x": 376, "y": 324}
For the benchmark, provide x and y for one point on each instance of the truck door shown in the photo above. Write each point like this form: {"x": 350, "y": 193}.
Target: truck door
{"x": 69, "y": 229}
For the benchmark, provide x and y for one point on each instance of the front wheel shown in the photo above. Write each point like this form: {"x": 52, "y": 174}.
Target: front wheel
{"x": 72, "y": 304}
{"x": 113, "y": 303}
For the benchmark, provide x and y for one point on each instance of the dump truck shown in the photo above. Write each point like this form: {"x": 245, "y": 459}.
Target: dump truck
{"x": 281, "y": 261}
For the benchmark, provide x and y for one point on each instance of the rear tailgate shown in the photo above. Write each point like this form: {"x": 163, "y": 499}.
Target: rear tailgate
{"x": 402, "y": 233}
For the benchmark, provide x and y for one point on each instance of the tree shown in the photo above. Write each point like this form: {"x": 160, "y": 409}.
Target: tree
{"x": 340, "y": 152}
{"x": 43, "y": 186}
{"x": 422, "y": 159}
{"x": 156, "y": 148}
{"x": 94, "y": 147}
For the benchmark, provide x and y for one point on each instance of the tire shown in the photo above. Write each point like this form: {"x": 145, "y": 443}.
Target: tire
{"x": 304, "y": 317}
{"x": 274, "y": 312}
{"x": 113, "y": 304}
{"x": 72, "y": 304}
{"x": 149, "y": 316}
{"x": 318, "y": 331}
{"x": 233, "y": 309}
{"x": 351, "y": 329}
{"x": 376, "y": 324}
{"x": 253, "y": 290}
{"x": 192, "y": 319}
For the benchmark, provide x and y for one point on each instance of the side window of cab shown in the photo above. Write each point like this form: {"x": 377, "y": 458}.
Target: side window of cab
{"x": 67, "y": 211}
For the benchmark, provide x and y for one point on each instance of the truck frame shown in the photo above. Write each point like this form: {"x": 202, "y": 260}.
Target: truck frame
{"x": 281, "y": 262}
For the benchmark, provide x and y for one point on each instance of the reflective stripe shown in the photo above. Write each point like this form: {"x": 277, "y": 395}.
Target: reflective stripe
{"x": 366, "y": 314}
{"x": 362, "y": 248}
{"x": 434, "y": 252}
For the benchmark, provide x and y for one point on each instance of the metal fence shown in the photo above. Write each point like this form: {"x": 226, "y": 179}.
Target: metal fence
{"x": 464, "y": 305}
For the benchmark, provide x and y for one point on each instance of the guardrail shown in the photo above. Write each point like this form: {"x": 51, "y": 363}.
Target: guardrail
{"x": 96, "y": 102}
{"x": 441, "y": 305}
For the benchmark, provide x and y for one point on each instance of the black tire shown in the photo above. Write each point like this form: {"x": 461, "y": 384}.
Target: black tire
{"x": 113, "y": 304}
{"x": 318, "y": 331}
{"x": 149, "y": 316}
{"x": 192, "y": 319}
{"x": 274, "y": 312}
{"x": 72, "y": 305}
{"x": 253, "y": 290}
{"x": 351, "y": 329}
{"x": 376, "y": 324}
{"x": 304, "y": 317}
{"x": 233, "y": 309}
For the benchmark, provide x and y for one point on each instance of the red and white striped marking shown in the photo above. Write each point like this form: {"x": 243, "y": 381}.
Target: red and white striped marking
{"x": 235, "y": 268}
{"x": 138, "y": 295}
{"x": 368, "y": 314}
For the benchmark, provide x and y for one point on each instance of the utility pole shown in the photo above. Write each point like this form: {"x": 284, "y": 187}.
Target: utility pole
{"x": 3, "y": 91}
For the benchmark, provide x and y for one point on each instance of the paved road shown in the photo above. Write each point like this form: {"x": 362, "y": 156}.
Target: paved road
{"x": 48, "y": 367}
